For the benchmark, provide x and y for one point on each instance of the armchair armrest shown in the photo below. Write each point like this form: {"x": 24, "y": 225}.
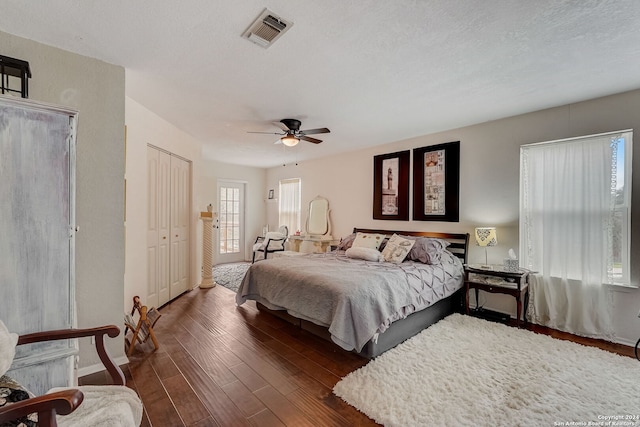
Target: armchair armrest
{"x": 272, "y": 239}
{"x": 259, "y": 239}
{"x": 47, "y": 406}
{"x": 117, "y": 376}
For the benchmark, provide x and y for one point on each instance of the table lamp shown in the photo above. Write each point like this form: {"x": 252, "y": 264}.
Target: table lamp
{"x": 486, "y": 236}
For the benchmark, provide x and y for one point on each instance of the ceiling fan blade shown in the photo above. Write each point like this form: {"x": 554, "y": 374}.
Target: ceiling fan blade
{"x": 309, "y": 139}
{"x": 314, "y": 131}
{"x": 268, "y": 133}
{"x": 281, "y": 126}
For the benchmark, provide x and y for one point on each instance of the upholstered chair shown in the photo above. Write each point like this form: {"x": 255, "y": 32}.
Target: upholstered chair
{"x": 97, "y": 406}
{"x": 273, "y": 241}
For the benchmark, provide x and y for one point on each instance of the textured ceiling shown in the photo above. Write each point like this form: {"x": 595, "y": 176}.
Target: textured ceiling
{"x": 372, "y": 71}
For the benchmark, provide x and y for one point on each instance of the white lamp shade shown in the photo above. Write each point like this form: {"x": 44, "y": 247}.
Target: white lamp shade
{"x": 486, "y": 236}
{"x": 289, "y": 140}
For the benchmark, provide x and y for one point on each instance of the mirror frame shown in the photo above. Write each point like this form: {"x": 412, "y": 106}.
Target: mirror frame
{"x": 327, "y": 218}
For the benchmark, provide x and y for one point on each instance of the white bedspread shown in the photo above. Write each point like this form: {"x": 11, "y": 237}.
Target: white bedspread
{"x": 355, "y": 299}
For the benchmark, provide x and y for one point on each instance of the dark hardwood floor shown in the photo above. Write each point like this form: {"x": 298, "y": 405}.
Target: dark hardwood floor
{"x": 222, "y": 365}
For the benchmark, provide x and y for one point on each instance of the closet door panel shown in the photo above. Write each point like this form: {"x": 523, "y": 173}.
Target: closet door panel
{"x": 180, "y": 202}
{"x": 164, "y": 227}
{"x": 153, "y": 234}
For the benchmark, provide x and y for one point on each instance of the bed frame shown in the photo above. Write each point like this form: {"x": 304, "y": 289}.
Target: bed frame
{"x": 405, "y": 328}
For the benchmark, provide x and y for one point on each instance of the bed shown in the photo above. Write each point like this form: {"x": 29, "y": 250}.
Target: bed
{"x": 363, "y": 306}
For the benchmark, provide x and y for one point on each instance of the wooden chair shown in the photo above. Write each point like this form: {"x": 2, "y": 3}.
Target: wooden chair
{"x": 69, "y": 400}
{"x": 272, "y": 242}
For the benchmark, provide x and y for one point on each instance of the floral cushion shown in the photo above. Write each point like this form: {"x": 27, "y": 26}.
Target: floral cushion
{"x": 12, "y": 392}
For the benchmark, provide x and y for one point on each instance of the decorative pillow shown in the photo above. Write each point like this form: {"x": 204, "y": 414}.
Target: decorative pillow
{"x": 367, "y": 254}
{"x": 8, "y": 343}
{"x": 397, "y": 249}
{"x": 367, "y": 240}
{"x": 346, "y": 242}
{"x": 428, "y": 250}
{"x": 12, "y": 392}
{"x": 383, "y": 244}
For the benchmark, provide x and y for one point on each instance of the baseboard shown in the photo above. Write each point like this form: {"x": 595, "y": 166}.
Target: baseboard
{"x": 98, "y": 367}
{"x": 491, "y": 315}
{"x": 615, "y": 340}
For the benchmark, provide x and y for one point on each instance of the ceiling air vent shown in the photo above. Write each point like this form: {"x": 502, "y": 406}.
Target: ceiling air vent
{"x": 266, "y": 29}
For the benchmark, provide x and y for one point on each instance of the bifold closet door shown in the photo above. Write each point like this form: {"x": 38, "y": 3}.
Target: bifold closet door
{"x": 180, "y": 202}
{"x": 158, "y": 227}
{"x": 169, "y": 214}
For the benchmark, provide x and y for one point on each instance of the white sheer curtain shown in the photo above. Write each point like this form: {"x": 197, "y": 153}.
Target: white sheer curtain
{"x": 566, "y": 208}
{"x": 289, "y": 204}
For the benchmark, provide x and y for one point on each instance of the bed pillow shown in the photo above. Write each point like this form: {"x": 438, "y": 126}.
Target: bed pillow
{"x": 8, "y": 343}
{"x": 428, "y": 250}
{"x": 367, "y": 254}
{"x": 368, "y": 240}
{"x": 397, "y": 249}
{"x": 346, "y": 242}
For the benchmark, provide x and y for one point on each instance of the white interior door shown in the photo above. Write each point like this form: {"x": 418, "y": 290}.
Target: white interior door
{"x": 230, "y": 240}
{"x": 180, "y": 214}
{"x": 158, "y": 211}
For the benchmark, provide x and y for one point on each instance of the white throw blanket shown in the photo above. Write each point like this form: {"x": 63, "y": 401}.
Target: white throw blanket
{"x": 104, "y": 406}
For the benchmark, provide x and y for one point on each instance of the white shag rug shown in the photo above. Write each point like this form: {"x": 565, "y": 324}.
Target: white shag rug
{"x": 465, "y": 371}
{"x": 230, "y": 275}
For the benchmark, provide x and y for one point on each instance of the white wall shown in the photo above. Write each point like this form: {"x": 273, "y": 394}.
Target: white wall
{"x": 255, "y": 212}
{"x": 96, "y": 90}
{"x": 489, "y": 184}
{"x": 145, "y": 127}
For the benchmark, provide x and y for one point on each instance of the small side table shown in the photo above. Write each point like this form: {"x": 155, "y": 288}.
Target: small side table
{"x": 495, "y": 279}
{"x": 320, "y": 244}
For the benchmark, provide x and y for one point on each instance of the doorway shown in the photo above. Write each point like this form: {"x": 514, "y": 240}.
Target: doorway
{"x": 230, "y": 244}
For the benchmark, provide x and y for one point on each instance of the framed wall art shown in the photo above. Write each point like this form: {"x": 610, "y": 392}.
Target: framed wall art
{"x": 391, "y": 186}
{"x": 436, "y": 182}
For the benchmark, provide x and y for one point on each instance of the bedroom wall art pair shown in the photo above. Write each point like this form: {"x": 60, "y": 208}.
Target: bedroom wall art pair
{"x": 436, "y": 184}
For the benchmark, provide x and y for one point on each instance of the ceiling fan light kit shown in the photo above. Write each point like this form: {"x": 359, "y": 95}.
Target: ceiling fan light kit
{"x": 289, "y": 140}
{"x": 291, "y": 133}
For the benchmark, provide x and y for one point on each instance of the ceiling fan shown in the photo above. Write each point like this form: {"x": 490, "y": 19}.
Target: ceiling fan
{"x": 291, "y": 133}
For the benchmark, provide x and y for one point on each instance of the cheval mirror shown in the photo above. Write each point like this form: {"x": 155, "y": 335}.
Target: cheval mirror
{"x": 318, "y": 222}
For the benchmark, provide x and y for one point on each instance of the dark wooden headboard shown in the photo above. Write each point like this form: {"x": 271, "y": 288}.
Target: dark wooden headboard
{"x": 458, "y": 242}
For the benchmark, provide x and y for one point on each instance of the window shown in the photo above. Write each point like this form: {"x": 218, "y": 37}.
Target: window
{"x": 229, "y": 220}
{"x": 289, "y": 204}
{"x": 575, "y": 208}
{"x": 621, "y": 225}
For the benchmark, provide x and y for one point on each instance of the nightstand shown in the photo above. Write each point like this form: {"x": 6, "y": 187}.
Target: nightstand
{"x": 495, "y": 279}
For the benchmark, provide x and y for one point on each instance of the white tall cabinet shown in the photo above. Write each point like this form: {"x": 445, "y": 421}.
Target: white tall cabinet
{"x": 37, "y": 229}
{"x": 168, "y": 226}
